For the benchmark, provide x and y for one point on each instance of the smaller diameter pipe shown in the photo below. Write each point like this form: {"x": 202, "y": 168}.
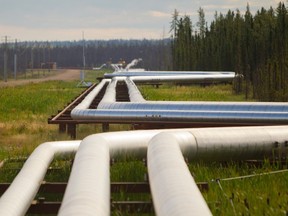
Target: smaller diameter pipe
{"x": 18, "y": 197}
{"x": 134, "y": 94}
{"x": 90, "y": 97}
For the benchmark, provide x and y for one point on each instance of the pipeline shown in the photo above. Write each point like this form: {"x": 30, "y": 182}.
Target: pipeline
{"x": 175, "y": 76}
{"x": 18, "y": 197}
{"x": 139, "y": 110}
{"x": 87, "y": 194}
{"x": 173, "y": 189}
{"x": 86, "y": 102}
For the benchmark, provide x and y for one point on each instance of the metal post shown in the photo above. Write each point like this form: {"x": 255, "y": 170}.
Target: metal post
{"x": 5, "y": 59}
{"x": 5, "y": 65}
{"x": 15, "y": 66}
{"x": 15, "y": 60}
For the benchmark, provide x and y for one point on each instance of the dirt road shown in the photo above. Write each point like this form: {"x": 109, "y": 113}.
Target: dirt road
{"x": 60, "y": 75}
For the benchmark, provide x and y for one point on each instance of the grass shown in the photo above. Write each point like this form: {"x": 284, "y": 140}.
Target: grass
{"x": 258, "y": 195}
{"x": 168, "y": 92}
{"x": 23, "y": 125}
{"x": 24, "y": 113}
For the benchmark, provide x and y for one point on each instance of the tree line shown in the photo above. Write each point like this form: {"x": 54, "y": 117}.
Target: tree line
{"x": 254, "y": 46}
{"x": 69, "y": 54}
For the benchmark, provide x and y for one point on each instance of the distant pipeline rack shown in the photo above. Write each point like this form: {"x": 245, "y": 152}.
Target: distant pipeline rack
{"x": 113, "y": 101}
{"x": 69, "y": 125}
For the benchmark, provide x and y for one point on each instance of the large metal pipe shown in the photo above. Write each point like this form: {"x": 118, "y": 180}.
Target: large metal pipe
{"x": 18, "y": 197}
{"x": 173, "y": 189}
{"x": 88, "y": 189}
{"x": 139, "y": 110}
{"x": 87, "y": 194}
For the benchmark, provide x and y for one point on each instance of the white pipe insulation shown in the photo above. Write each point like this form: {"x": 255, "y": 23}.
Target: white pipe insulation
{"x": 140, "y": 110}
{"x": 174, "y": 76}
{"x": 173, "y": 189}
{"x": 134, "y": 94}
{"x": 88, "y": 189}
{"x": 18, "y": 197}
{"x": 86, "y": 102}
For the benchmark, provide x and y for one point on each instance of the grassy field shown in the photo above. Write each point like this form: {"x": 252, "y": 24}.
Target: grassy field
{"x": 24, "y": 111}
{"x": 171, "y": 92}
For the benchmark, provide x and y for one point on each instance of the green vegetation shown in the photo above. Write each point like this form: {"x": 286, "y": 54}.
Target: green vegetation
{"x": 23, "y": 125}
{"x": 255, "y": 46}
{"x": 191, "y": 93}
{"x": 257, "y": 195}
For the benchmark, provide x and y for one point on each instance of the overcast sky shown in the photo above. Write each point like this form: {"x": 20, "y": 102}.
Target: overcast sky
{"x": 105, "y": 19}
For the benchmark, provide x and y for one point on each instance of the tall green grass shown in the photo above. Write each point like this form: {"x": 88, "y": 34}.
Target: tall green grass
{"x": 257, "y": 195}
{"x": 35, "y": 100}
{"x": 171, "y": 92}
{"x": 24, "y": 111}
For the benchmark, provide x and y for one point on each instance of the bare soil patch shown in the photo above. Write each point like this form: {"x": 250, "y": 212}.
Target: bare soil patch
{"x": 60, "y": 75}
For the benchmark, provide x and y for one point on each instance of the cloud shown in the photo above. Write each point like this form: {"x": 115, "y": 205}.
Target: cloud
{"x": 44, "y": 34}
{"x": 159, "y": 14}
{"x": 66, "y": 19}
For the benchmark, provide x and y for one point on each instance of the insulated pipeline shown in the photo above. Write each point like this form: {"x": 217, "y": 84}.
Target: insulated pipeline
{"x": 88, "y": 189}
{"x": 173, "y": 189}
{"x": 18, "y": 197}
{"x": 141, "y": 111}
{"x": 87, "y": 194}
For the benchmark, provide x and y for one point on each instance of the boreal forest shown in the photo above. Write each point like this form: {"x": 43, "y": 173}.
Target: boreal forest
{"x": 254, "y": 45}
{"x": 69, "y": 54}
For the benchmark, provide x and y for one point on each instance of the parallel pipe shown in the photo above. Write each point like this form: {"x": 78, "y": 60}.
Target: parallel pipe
{"x": 18, "y": 197}
{"x": 88, "y": 191}
{"x": 134, "y": 94}
{"x": 87, "y": 194}
{"x": 140, "y": 110}
{"x": 86, "y": 102}
{"x": 88, "y": 188}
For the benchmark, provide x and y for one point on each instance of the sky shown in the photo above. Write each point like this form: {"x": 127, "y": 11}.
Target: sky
{"x": 62, "y": 20}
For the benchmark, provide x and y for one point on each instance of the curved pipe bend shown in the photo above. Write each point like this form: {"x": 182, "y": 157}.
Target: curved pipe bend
{"x": 173, "y": 188}
{"x": 93, "y": 156}
{"x": 18, "y": 197}
{"x": 88, "y": 189}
